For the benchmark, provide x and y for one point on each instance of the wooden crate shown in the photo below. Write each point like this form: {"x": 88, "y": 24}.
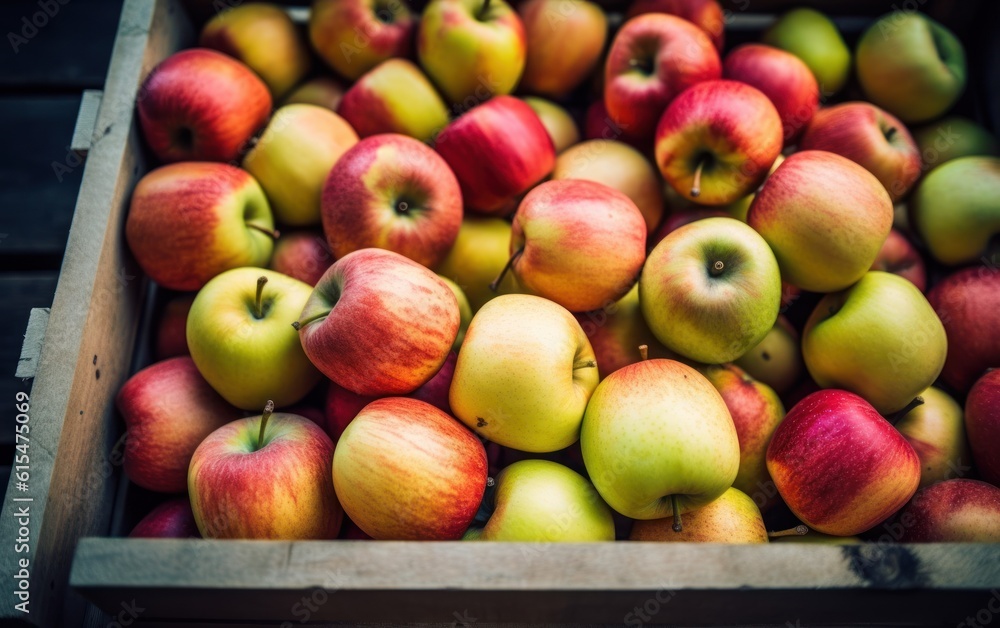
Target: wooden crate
{"x": 90, "y": 348}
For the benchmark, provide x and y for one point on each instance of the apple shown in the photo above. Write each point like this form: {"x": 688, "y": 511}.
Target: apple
{"x": 619, "y": 166}
{"x": 968, "y": 303}
{"x": 323, "y": 91}
{"x": 303, "y": 255}
{"x": 777, "y": 359}
{"x": 825, "y": 217}
{"x": 705, "y": 14}
{"x": 880, "y": 338}
{"x": 578, "y": 243}
{"x": 564, "y": 44}
{"x": 188, "y": 222}
{"x": 392, "y": 192}
{"x": 899, "y": 257}
{"x": 781, "y": 76}
{"x": 870, "y": 137}
{"x": 954, "y": 209}
{"x": 739, "y": 208}
{"x": 171, "y": 328}
{"x": 241, "y": 338}
{"x": 598, "y": 125}
{"x": 524, "y": 374}
{"x": 731, "y": 518}
{"x": 498, "y": 151}
{"x": 394, "y": 97}
{"x": 353, "y": 36}
{"x": 293, "y": 157}
{"x": 472, "y": 49}
{"x": 955, "y": 511}
{"x": 201, "y": 105}
{"x": 982, "y": 423}
{"x": 264, "y": 37}
{"x": 405, "y": 470}
{"x": 953, "y": 137}
{"x": 378, "y": 323}
{"x": 556, "y": 120}
{"x": 911, "y": 66}
{"x": 756, "y": 411}
{"x": 711, "y": 290}
{"x": 168, "y": 409}
{"x": 250, "y": 482}
{"x": 464, "y": 311}
{"x": 814, "y": 38}
{"x": 840, "y": 466}
{"x": 542, "y": 501}
{"x": 935, "y": 431}
{"x": 479, "y": 254}
{"x": 173, "y": 519}
{"x": 657, "y": 440}
{"x": 653, "y": 58}
{"x": 716, "y": 141}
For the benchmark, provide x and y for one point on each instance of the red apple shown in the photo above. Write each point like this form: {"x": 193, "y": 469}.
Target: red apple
{"x": 353, "y": 36}
{"x": 168, "y": 410}
{"x": 839, "y": 465}
{"x": 564, "y": 44}
{"x": 201, "y": 105}
{"x": 954, "y": 511}
{"x": 172, "y": 519}
{"x": 171, "y": 330}
{"x": 598, "y": 125}
{"x": 782, "y": 77}
{"x": 900, "y": 257}
{"x": 982, "y": 425}
{"x": 498, "y": 151}
{"x": 706, "y": 14}
{"x": 392, "y": 192}
{"x": 303, "y": 255}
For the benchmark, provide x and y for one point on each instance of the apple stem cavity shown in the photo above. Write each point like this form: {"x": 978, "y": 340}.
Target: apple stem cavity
{"x": 273, "y": 233}
{"x": 717, "y": 268}
{"x": 503, "y": 273}
{"x": 889, "y": 133}
{"x": 917, "y": 401}
{"x": 268, "y": 409}
{"x": 796, "y": 531}
{"x": 677, "y": 527}
{"x": 484, "y": 10}
{"x": 258, "y": 309}
{"x": 696, "y": 184}
{"x": 644, "y": 352}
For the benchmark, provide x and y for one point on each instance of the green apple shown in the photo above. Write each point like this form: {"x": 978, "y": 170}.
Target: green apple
{"x": 543, "y": 501}
{"x": 732, "y": 518}
{"x": 476, "y": 258}
{"x": 556, "y": 120}
{"x": 880, "y": 338}
{"x": 936, "y": 430}
{"x": 658, "y": 440}
{"x": 464, "y": 311}
{"x": 711, "y": 290}
{"x": 953, "y": 137}
{"x": 955, "y": 209}
{"x": 524, "y": 374}
{"x": 240, "y": 334}
{"x": 814, "y": 38}
{"x": 777, "y": 359}
{"x": 911, "y": 66}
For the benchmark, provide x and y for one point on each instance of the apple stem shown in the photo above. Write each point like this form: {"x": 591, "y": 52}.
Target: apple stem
{"x": 258, "y": 309}
{"x": 917, "y": 401}
{"x": 402, "y": 207}
{"x": 717, "y": 268}
{"x": 268, "y": 409}
{"x": 510, "y": 263}
{"x": 677, "y": 527}
{"x": 644, "y": 352}
{"x": 584, "y": 364}
{"x": 696, "y": 184}
{"x": 890, "y": 132}
{"x": 796, "y": 531}
{"x": 274, "y": 233}
{"x": 485, "y": 9}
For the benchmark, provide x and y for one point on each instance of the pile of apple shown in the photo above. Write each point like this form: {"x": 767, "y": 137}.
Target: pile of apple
{"x": 474, "y": 324}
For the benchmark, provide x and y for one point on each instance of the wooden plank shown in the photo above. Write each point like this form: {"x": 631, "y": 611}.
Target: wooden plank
{"x": 90, "y": 336}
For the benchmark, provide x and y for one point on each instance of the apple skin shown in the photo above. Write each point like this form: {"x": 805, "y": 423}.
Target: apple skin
{"x": 953, "y": 137}
{"x": 168, "y": 409}
{"x": 777, "y": 359}
{"x": 303, "y": 255}
{"x": 813, "y": 37}
{"x": 201, "y": 105}
{"x": 582, "y": 244}
{"x": 954, "y": 209}
{"x": 263, "y": 37}
{"x": 936, "y": 432}
{"x": 472, "y": 49}
{"x": 899, "y": 257}
{"x": 730, "y": 128}
{"x": 680, "y": 55}
{"x": 280, "y": 490}
{"x": 353, "y": 36}
{"x": 498, "y": 151}
{"x": 190, "y": 221}
{"x": 731, "y": 518}
{"x": 564, "y": 44}
{"x": 539, "y": 501}
{"x": 557, "y": 122}
{"x": 825, "y": 217}
{"x": 394, "y": 97}
{"x": 911, "y": 66}
{"x": 323, "y": 91}
{"x": 405, "y": 470}
{"x": 982, "y": 424}
{"x": 756, "y": 411}
{"x": 968, "y": 303}
{"x": 707, "y": 315}
{"x": 781, "y": 76}
{"x": 173, "y": 519}
{"x": 464, "y": 311}
{"x": 655, "y": 430}
{"x": 839, "y": 465}
{"x": 870, "y": 137}
{"x": 392, "y": 192}
{"x": 705, "y": 14}
{"x": 955, "y": 511}
{"x": 479, "y": 254}
{"x": 524, "y": 374}
{"x": 293, "y": 157}
{"x": 171, "y": 329}
{"x": 378, "y": 323}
